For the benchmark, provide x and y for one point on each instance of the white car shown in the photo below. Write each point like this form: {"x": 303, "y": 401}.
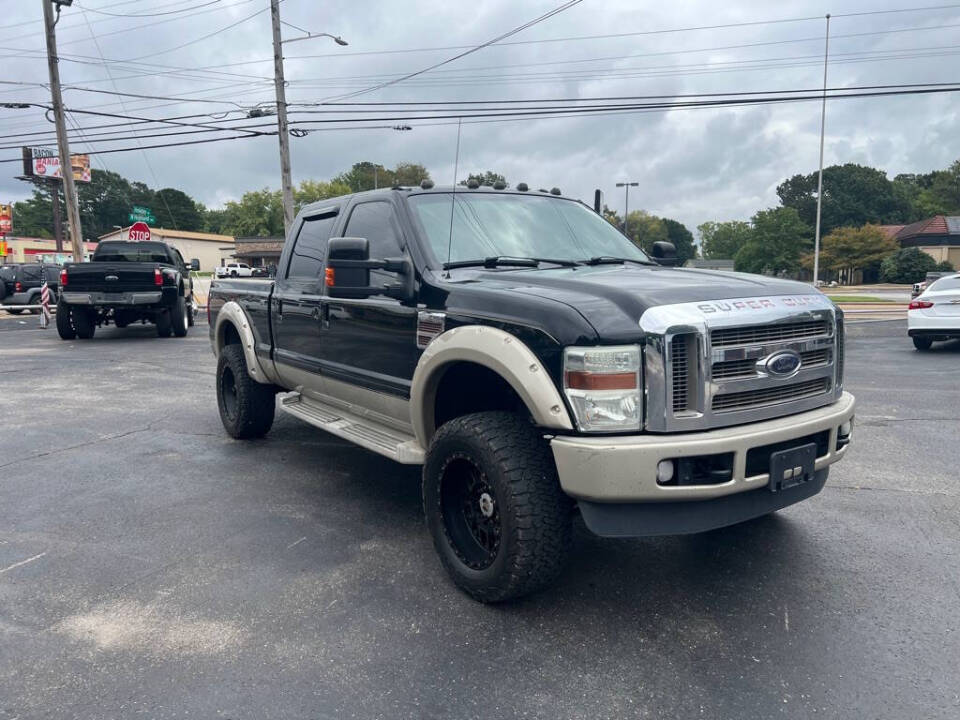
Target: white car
{"x": 234, "y": 270}
{"x": 935, "y": 313}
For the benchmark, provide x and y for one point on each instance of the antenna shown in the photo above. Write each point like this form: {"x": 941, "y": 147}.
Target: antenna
{"x": 453, "y": 196}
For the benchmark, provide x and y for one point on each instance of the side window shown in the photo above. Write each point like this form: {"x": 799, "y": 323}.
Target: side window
{"x": 310, "y": 248}
{"x": 377, "y": 222}
{"x": 31, "y": 272}
{"x": 178, "y": 257}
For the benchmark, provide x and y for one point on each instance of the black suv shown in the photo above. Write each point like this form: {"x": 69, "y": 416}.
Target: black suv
{"x": 20, "y": 284}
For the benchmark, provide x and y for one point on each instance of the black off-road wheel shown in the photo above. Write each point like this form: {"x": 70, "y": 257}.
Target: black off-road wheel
{"x": 178, "y": 317}
{"x": 65, "y": 322}
{"x": 83, "y": 322}
{"x": 922, "y": 343}
{"x": 164, "y": 326}
{"x": 246, "y": 406}
{"x": 499, "y": 520}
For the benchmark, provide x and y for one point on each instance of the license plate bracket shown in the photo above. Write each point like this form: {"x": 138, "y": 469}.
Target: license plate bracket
{"x": 789, "y": 468}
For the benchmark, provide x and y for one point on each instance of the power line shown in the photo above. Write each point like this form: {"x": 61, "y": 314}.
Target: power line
{"x": 127, "y": 15}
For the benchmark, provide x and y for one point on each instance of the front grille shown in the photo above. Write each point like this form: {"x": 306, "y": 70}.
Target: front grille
{"x": 841, "y": 340}
{"x": 760, "y": 334}
{"x": 681, "y": 373}
{"x": 730, "y": 369}
{"x": 765, "y": 397}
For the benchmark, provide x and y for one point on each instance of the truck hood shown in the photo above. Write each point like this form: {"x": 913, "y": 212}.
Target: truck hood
{"x": 613, "y": 297}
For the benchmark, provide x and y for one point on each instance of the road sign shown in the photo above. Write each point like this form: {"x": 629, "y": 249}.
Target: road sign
{"x": 141, "y": 214}
{"x": 6, "y": 220}
{"x": 139, "y": 232}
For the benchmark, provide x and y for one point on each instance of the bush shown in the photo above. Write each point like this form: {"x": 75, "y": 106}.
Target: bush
{"x": 945, "y": 266}
{"x": 909, "y": 265}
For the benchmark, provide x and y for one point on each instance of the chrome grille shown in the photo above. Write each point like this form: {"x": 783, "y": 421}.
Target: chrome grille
{"x": 729, "y": 369}
{"x": 758, "y": 334}
{"x": 841, "y": 340}
{"x": 765, "y": 397}
{"x": 680, "y": 370}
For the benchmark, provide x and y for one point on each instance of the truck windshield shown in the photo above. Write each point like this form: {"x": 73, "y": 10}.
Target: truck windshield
{"x": 131, "y": 252}
{"x": 520, "y": 226}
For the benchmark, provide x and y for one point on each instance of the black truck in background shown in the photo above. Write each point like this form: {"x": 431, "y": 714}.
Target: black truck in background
{"x": 124, "y": 283}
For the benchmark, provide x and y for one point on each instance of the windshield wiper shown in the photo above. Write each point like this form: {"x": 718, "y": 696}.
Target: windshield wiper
{"x": 611, "y": 260}
{"x": 507, "y": 261}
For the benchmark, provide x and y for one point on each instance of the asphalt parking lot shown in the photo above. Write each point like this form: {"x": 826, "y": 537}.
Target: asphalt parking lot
{"x": 151, "y": 566}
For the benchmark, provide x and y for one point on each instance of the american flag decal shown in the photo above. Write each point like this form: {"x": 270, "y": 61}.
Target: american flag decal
{"x": 429, "y": 325}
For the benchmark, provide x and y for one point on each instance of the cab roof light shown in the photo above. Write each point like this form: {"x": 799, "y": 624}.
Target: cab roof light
{"x": 523, "y": 187}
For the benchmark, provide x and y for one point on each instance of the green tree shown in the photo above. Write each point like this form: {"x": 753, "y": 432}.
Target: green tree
{"x": 365, "y": 176}
{"x": 908, "y": 265}
{"x": 940, "y": 192}
{"x": 310, "y": 191}
{"x": 853, "y": 195}
{"x": 777, "y": 244}
{"x": 410, "y": 174}
{"x": 487, "y": 178}
{"x": 861, "y": 248}
{"x": 723, "y": 240}
{"x": 174, "y": 208}
{"x": 612, "y": 217}
{"x": 259, "y": 213}
{"x": 645, "y": 229}
{"x": 33, "y": 217}
{"x": 681, "y": 238}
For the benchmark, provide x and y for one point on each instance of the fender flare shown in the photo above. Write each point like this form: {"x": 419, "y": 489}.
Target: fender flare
{"x": 497, "y": 350}
{"x": 232, "y": 314}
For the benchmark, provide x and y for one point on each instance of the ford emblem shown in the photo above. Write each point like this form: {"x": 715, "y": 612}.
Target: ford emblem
{"x": 783, "y": 363}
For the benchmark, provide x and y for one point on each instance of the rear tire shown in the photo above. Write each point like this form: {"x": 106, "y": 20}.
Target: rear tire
{"x": 83, "y": 322}
{"x": 164, "y": 327}
{"x": 178, "y": 317}
{"x": 191, "y": 312}
{"x": 493, "y": 503}
{"x": 922, "y": 343}
{"x": 246, "y": 406}
{"x": 65, "y": 322}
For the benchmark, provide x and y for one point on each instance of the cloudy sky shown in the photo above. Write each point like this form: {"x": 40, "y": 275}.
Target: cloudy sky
{"x": 693, "y": 165}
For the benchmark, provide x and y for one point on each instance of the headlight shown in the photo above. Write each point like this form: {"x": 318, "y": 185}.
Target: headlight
{"x": 603, "y": 387}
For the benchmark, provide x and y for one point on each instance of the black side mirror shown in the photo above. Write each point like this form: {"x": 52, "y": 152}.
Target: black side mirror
{"x": 195, "y": 265}
{"x": 347, "y": 274}
{"x": 665, "y": 253}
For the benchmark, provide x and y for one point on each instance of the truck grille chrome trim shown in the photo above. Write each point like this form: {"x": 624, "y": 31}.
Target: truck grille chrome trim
{"x": 707, "y": 365}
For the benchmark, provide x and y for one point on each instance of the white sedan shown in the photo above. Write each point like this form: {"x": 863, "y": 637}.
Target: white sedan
{"x": 234, "y": 270}
{"x": 935, "y": 313}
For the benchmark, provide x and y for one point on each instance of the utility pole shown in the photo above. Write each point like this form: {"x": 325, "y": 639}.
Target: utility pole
{"x": 823, "y": 124}
{"x": 63, "y": 145}
{"x": 283, "y": 127}
{"x": 626, "y": 202}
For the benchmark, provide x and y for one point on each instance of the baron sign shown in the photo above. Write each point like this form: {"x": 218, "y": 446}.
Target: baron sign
{"x": 42, "y": 163}
{"x": 139, "y": 232}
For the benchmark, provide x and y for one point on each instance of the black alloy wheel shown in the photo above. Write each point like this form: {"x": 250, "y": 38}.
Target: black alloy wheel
{"x": 471, "y": 513}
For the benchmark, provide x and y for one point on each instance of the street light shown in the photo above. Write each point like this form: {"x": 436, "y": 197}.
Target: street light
{"x": 626, "y": 202}
{"x": 283, "y": 126}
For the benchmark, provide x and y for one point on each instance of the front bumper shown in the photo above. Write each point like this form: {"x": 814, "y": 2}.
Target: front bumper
{"x": 623, "y": 469}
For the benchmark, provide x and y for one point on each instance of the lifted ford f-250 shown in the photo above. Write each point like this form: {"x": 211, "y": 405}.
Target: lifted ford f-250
{"x": 537, "y": 364}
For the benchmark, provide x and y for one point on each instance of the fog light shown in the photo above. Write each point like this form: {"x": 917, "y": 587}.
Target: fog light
{"x": 843, "y": 434}
{"x": 846, "y": 428}
{"x": 664, "y": 471}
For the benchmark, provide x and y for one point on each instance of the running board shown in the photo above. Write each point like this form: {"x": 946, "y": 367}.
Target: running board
{"x": 367, "y": 433}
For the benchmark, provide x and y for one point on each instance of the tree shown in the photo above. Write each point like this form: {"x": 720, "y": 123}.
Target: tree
{"x": 33, "y": 217}
{"x": 310, "y": 191}
{"x": 487, "y": 178}
{"x": 367, "y": 176}
{"x": 681, "y": 238}
{"x": 909, "y": 265}
{"x": 645, "y": 229}
{"x": 411, "y": 174}
{"x": 855, "y": 248}
{"x": 174, "y": 208}
{"x": 940, "y": 192}
{"x": 259, "y": 213}
{"x": 853, "y": 195}
{"x": 612, "y": 217}
{"x": 723, "y": 240}
{"x": 777, "y": 244}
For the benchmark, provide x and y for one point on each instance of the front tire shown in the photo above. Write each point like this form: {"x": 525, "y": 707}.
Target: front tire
{"x": 499, "y": 520}
{"x": 922, "y": 343}
{"x": 246, "y": 406}
{"x": 83, "y": 322}
{"x": 64, "y": 322}
{"x": 178, "y": 317}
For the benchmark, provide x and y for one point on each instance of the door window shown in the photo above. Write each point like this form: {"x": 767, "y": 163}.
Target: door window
{"x": 310, "y": 249}
{"x": 377, "y": 222}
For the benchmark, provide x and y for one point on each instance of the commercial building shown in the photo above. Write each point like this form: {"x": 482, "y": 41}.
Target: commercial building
{"x": 258, "y": 251}
{"x": 32, "y": 249}
{"x": 208, "y": 248}
{"x": 938, "y": 237}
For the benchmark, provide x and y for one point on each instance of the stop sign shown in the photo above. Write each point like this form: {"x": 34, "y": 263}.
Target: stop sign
{"x": 139, "y": 232}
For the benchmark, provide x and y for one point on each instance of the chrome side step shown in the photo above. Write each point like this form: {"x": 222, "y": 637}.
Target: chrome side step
{"x": 365, "y": 432}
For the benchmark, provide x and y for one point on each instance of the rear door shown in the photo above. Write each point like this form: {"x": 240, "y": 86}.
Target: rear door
{"x": 371, "y": 342}
{"x": 297, "y": 299}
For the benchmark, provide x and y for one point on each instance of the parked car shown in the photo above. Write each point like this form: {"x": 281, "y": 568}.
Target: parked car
{"x": 536, "y": 363}
{"x": 935, "y": 314}
{"x": 234, "y": 270}
{"x": 20, "y": 284}
{"x": 921, "y": 286}
{"x": 124, "y": 283}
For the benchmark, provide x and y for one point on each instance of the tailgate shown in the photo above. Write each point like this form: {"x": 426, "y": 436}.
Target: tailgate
{"x": 111, "y": 277}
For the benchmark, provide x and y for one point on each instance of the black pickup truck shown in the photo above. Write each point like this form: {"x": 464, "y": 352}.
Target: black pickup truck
{"x": 537, "y": 365}
{"x": 127, "y": 282}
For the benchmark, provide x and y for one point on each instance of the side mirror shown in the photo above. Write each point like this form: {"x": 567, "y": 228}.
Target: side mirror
{"x": 665, "y": 253}
{"x": 195, "y": 265}
{"x": 347, "y": 274}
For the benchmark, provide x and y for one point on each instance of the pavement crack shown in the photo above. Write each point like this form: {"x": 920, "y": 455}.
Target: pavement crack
{"x": 56, "y": 451}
